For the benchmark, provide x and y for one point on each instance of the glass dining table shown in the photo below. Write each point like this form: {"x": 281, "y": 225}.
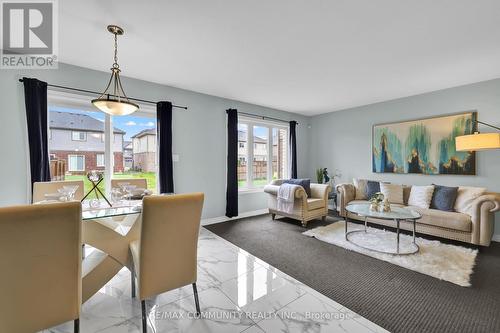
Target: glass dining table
{"x": 108, "y": 232}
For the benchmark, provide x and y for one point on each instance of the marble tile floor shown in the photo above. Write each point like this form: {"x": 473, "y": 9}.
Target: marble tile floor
{"x": 238, "y": 293}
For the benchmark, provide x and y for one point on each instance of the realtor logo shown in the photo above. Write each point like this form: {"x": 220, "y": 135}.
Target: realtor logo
{"x": 29, "y": 34}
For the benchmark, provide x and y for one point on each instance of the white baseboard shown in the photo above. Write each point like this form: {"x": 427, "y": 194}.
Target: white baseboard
{"x": 496, "y": 238}
{"x": 219, "y": 219}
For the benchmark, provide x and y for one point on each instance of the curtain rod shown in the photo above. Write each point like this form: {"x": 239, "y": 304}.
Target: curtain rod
{"x": 264, "y": 117}
{"x": 98, "y": 93}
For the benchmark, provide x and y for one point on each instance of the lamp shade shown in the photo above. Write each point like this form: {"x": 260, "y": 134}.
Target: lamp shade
{"x": 114, "y": 107}
{"x": 477, "y": 141}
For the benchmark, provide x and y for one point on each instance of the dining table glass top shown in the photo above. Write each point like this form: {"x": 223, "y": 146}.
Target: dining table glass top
{"x": 124, "y": 207}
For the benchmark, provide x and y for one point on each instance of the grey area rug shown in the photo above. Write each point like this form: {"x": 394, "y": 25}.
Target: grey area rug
{"x": 398, "y": 299}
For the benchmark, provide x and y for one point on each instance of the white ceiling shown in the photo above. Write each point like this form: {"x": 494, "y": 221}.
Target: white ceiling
{"x": 304, "y": 56}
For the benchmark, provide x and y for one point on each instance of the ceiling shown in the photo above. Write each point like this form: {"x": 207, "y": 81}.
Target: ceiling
{"x": 304, "y": 56}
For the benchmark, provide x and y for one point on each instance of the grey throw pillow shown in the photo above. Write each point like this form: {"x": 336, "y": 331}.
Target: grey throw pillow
{"x": 372, "y": 187}
{"x": 444, "y": 198}
{"x": 305, "y": 183}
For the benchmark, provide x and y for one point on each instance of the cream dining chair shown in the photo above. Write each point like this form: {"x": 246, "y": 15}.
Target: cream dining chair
{"x": 42, "y": 188}
{"x": 40, "y": 256}
{"x": 165, "y": 257}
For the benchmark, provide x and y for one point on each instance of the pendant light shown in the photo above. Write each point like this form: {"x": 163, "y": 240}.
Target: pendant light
{"x": 113, "y": 100}
{"x": 478, "y": 141}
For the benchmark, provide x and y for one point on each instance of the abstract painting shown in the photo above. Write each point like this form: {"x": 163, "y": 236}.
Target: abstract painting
{"x": 425, "y": 146}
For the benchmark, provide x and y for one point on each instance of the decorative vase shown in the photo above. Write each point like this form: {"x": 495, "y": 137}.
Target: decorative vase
{"x": 386, "y": 207}
{"x": 374, "y": 206}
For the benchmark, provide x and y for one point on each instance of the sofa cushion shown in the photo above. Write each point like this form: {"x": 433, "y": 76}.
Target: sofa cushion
{"x": 305, "y": 183}
{"x": 450, "y": 220}
{"x": 406, "y": 193}
{"x": 372, "y": 187}
{"x": 466, "y": 196}
{"x": 444, "y": 198}
{"x": 392, "y": 192}
{"x": 360, "y": 185}
{"x": 421, "y": 196}
{"x": 315, "y": 203}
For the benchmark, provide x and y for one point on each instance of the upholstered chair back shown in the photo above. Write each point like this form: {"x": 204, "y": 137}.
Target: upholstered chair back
{"x": 168, "y": 243}
{"x": 42, "y": 188}
{"x": 40, "y": 256}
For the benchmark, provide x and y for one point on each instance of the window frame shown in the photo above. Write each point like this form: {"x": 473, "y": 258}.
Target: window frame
{"x": 79, "y": 132}
{"x": 103, "y": 165}
{"x": 69, "y": 163}
{"x": 251, "y": 122}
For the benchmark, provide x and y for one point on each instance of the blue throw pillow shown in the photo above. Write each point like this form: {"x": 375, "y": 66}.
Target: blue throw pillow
{"x": 305, "y": 183}
{"x": 444, "y": 198}
{"x": 372, "y": 187}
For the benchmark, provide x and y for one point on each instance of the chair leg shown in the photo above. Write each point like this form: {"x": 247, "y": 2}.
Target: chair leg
{"x": 196, "y": 301}
{"x": 76, "y": 328}
{"x": 132, "y": 282}
{"x": 144, "y": 318}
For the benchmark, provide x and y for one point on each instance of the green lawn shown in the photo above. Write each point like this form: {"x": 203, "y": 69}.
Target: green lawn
{"x": 150, "y": 178}
{"x": 256, "y": 182}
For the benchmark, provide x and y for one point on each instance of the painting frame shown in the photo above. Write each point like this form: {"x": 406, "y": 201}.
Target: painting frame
{"x": 388, "y": 154}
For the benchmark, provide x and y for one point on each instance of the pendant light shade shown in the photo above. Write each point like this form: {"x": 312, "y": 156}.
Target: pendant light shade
{"x": 478, "y": 141}
{"x": 113, "y": 100}
{"x": 115, "y": 108}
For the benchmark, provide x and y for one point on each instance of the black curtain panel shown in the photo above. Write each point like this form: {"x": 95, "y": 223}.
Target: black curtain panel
{"x": 35, "y": 99}
{"x": 293, "y": 149}
{"x": 232, "y": 163}
{"x": 164, "y": 139}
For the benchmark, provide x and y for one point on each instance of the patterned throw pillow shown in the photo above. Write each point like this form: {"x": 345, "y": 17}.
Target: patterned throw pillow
{"x": 372, "y": 187}
{"x": 392, "y": 192}
{"x": 421, "y": 196}
{"x": 444, "y": 198}
{"x": 360, "y": 185}
{"x": 305, "y": 183}
{"x": 465, "y": 196}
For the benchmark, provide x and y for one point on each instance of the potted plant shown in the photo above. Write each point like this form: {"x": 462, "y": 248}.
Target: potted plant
{"x": 320, "y": 174}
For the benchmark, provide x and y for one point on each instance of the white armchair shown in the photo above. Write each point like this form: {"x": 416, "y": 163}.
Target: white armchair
{"x": 304, "y": 209}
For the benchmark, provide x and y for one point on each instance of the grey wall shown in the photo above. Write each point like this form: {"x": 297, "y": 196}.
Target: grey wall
{"x": 199, "y": 135}
{"x": 342, "y": 139}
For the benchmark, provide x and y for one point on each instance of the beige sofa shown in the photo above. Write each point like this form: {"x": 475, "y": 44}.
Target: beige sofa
{"x": 476, "y": 228}
{"x": 304, "y": 209}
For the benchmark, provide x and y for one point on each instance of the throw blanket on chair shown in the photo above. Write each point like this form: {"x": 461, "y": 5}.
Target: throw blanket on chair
{"x": 286, "y": 197}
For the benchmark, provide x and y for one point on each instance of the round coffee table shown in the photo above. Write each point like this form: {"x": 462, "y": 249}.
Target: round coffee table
{"x": 396, "y": 214}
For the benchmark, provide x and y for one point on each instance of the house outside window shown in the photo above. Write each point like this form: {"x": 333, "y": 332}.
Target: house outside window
{"x": 265, "y": 145}
{"x": 100, "y": 160}
{"x": 78, "y": 136}
{"x": 76, "y": 162}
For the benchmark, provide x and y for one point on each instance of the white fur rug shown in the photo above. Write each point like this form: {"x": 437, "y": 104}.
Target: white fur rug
{"x": 443, "y": 261}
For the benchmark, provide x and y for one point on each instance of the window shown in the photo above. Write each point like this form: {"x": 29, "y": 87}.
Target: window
{"x": 76, "y": 163}
{"x": 100, "y": 160}
{"x": 78, "y": 136}
{"x": 85, "y": 140}
{"x": 267, "y": 149}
